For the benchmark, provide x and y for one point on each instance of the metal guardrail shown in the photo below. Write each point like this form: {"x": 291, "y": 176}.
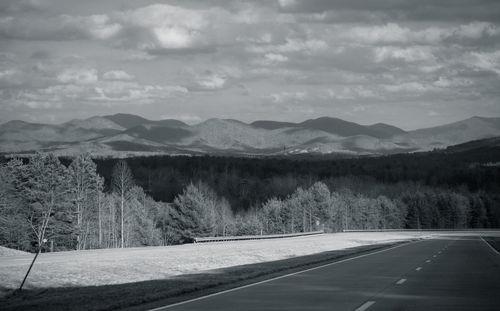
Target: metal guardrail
{"x": 418, "y": 230}
{"x": 253, "y": 237}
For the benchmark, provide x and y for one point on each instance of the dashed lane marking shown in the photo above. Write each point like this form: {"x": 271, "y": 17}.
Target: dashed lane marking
{"x": 427, "y": 261}
{"x": 365, "y": 306}
{"x": 419, "y": 268}
{"x": 401, "y": 281}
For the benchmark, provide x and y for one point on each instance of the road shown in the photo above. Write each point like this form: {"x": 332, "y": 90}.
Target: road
{"x": 445, "y": 273}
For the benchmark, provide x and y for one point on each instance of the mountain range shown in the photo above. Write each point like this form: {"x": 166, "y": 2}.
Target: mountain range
{"x": 120, "y": 134}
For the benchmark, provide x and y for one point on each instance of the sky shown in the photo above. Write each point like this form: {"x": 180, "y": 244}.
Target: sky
{"x": 413, "y": 63}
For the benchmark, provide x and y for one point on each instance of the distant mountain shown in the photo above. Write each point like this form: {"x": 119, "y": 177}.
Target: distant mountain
{"x": 16, "y": 136}
{"x": 386, "y": 130}
{"x": 129, "y": 120}
{"x": 100, "y": 123}
{"x": 452, "y": 134}
{"x": 125, "y": 133}
{"x": 335, "y": 126}
{"x": 160, "y": 134}
{"x": 272, "y": 125}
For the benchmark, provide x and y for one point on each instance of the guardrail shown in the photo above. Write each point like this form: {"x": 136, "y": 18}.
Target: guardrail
{"x": 417, "y": 230}
{"x": 253, "y": 237}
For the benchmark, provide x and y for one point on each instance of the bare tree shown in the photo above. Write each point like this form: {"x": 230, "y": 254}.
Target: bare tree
{"x": 82, "y": 181}
{"x": 122, "y": 182}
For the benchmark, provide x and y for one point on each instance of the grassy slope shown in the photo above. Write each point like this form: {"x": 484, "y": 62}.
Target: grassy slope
{"x": 150, "y": 294}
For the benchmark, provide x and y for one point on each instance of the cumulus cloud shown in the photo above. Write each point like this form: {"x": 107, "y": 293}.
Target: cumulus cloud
{"x": 272, "y": 57}
{"x": 165, "y": 26}
{"x": 78, "y": 76}
{"x": 94, "y": 26}
{"x": 117, "y": 75}
{"x": 80, "y": 85}
{"x": 284, "y": 97}
{"x": 62, "y": 27}
{"x": 107, "y": 93}
{"x": 211, "y": 81}
{"x": 133, "y": 93}
{"x": 488, "y": 61}
{"x": 410, "y": 54}
{"x": 307, "y": 46}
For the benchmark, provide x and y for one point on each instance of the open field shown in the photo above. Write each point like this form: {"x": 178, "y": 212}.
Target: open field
{"x": 116, "y": 266}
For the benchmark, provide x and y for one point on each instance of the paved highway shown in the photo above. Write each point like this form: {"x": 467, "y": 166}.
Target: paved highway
{"x": 445, "y": 273}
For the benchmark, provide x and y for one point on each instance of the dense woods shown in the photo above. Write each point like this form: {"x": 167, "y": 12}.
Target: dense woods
{"x": 83, "y": 203}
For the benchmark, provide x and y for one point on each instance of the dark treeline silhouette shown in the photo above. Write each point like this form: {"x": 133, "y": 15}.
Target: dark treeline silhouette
{"x": 82, "y": 203}
{"x": 247, "y": 182}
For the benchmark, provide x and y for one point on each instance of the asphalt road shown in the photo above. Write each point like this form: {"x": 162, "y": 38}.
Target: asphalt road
{"x": 446, "y": 273}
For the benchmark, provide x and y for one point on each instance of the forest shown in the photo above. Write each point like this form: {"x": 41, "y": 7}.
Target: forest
{"x": 85, "y": 203}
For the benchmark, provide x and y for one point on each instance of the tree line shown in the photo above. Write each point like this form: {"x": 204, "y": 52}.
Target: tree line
{"x": 72, "y": 206}
{"x": 249, "y": 182}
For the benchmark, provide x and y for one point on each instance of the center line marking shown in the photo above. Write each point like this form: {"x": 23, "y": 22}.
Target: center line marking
{"x": 401, "y": 281}
{"x": 365, "y": 306}
{"x": 419, "y": 268}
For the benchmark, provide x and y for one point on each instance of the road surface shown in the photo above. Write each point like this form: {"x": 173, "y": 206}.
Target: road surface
{"x": 444, "y": 273}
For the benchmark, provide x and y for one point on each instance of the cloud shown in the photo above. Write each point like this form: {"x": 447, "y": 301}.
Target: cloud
{"x": 78, "y": 76}
{"x": 211, "y": 81}
{"x": 410, "y": 54}
{"x": 59, "y": 28}
{"x": 409, "y": 10}
{"x": 411, "y": 87}
{"x": 99, "y": 27}
{"x": 103, "y": 93}
{"x": 13, "y": 6}
{"x": 132, "y": 93}
{"x": 476, "y": 30}
{"x": 284, "y": 97}
{"x": 275, "y": 58}
{"x": 306, "y": 46}
{"x": 487, "y": 61}
{"x": 80, "y": 85}
{"x": 393, "y": 33}
{"x": 117, "y": 75}
{"x": 350, "y": 93}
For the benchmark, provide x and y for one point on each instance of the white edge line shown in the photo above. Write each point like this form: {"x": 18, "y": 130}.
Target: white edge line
{"x": 492, "y": 248}
{"x": 365, "y": 306}
{"x": 280, "y": 277}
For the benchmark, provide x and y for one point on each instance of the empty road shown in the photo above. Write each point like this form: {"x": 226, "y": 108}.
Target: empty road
{"x": 445, "y": 273}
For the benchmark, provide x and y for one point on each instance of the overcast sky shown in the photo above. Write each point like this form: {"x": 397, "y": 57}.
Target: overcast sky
{"x": 412, "y": 64}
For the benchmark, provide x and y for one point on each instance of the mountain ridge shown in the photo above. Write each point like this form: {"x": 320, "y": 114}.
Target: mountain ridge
{"x": 324, "y": 135}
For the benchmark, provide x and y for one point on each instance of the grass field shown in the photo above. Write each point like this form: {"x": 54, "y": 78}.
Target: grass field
{"x": 145, "y": 295}
{"x": 118, "y": 266}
